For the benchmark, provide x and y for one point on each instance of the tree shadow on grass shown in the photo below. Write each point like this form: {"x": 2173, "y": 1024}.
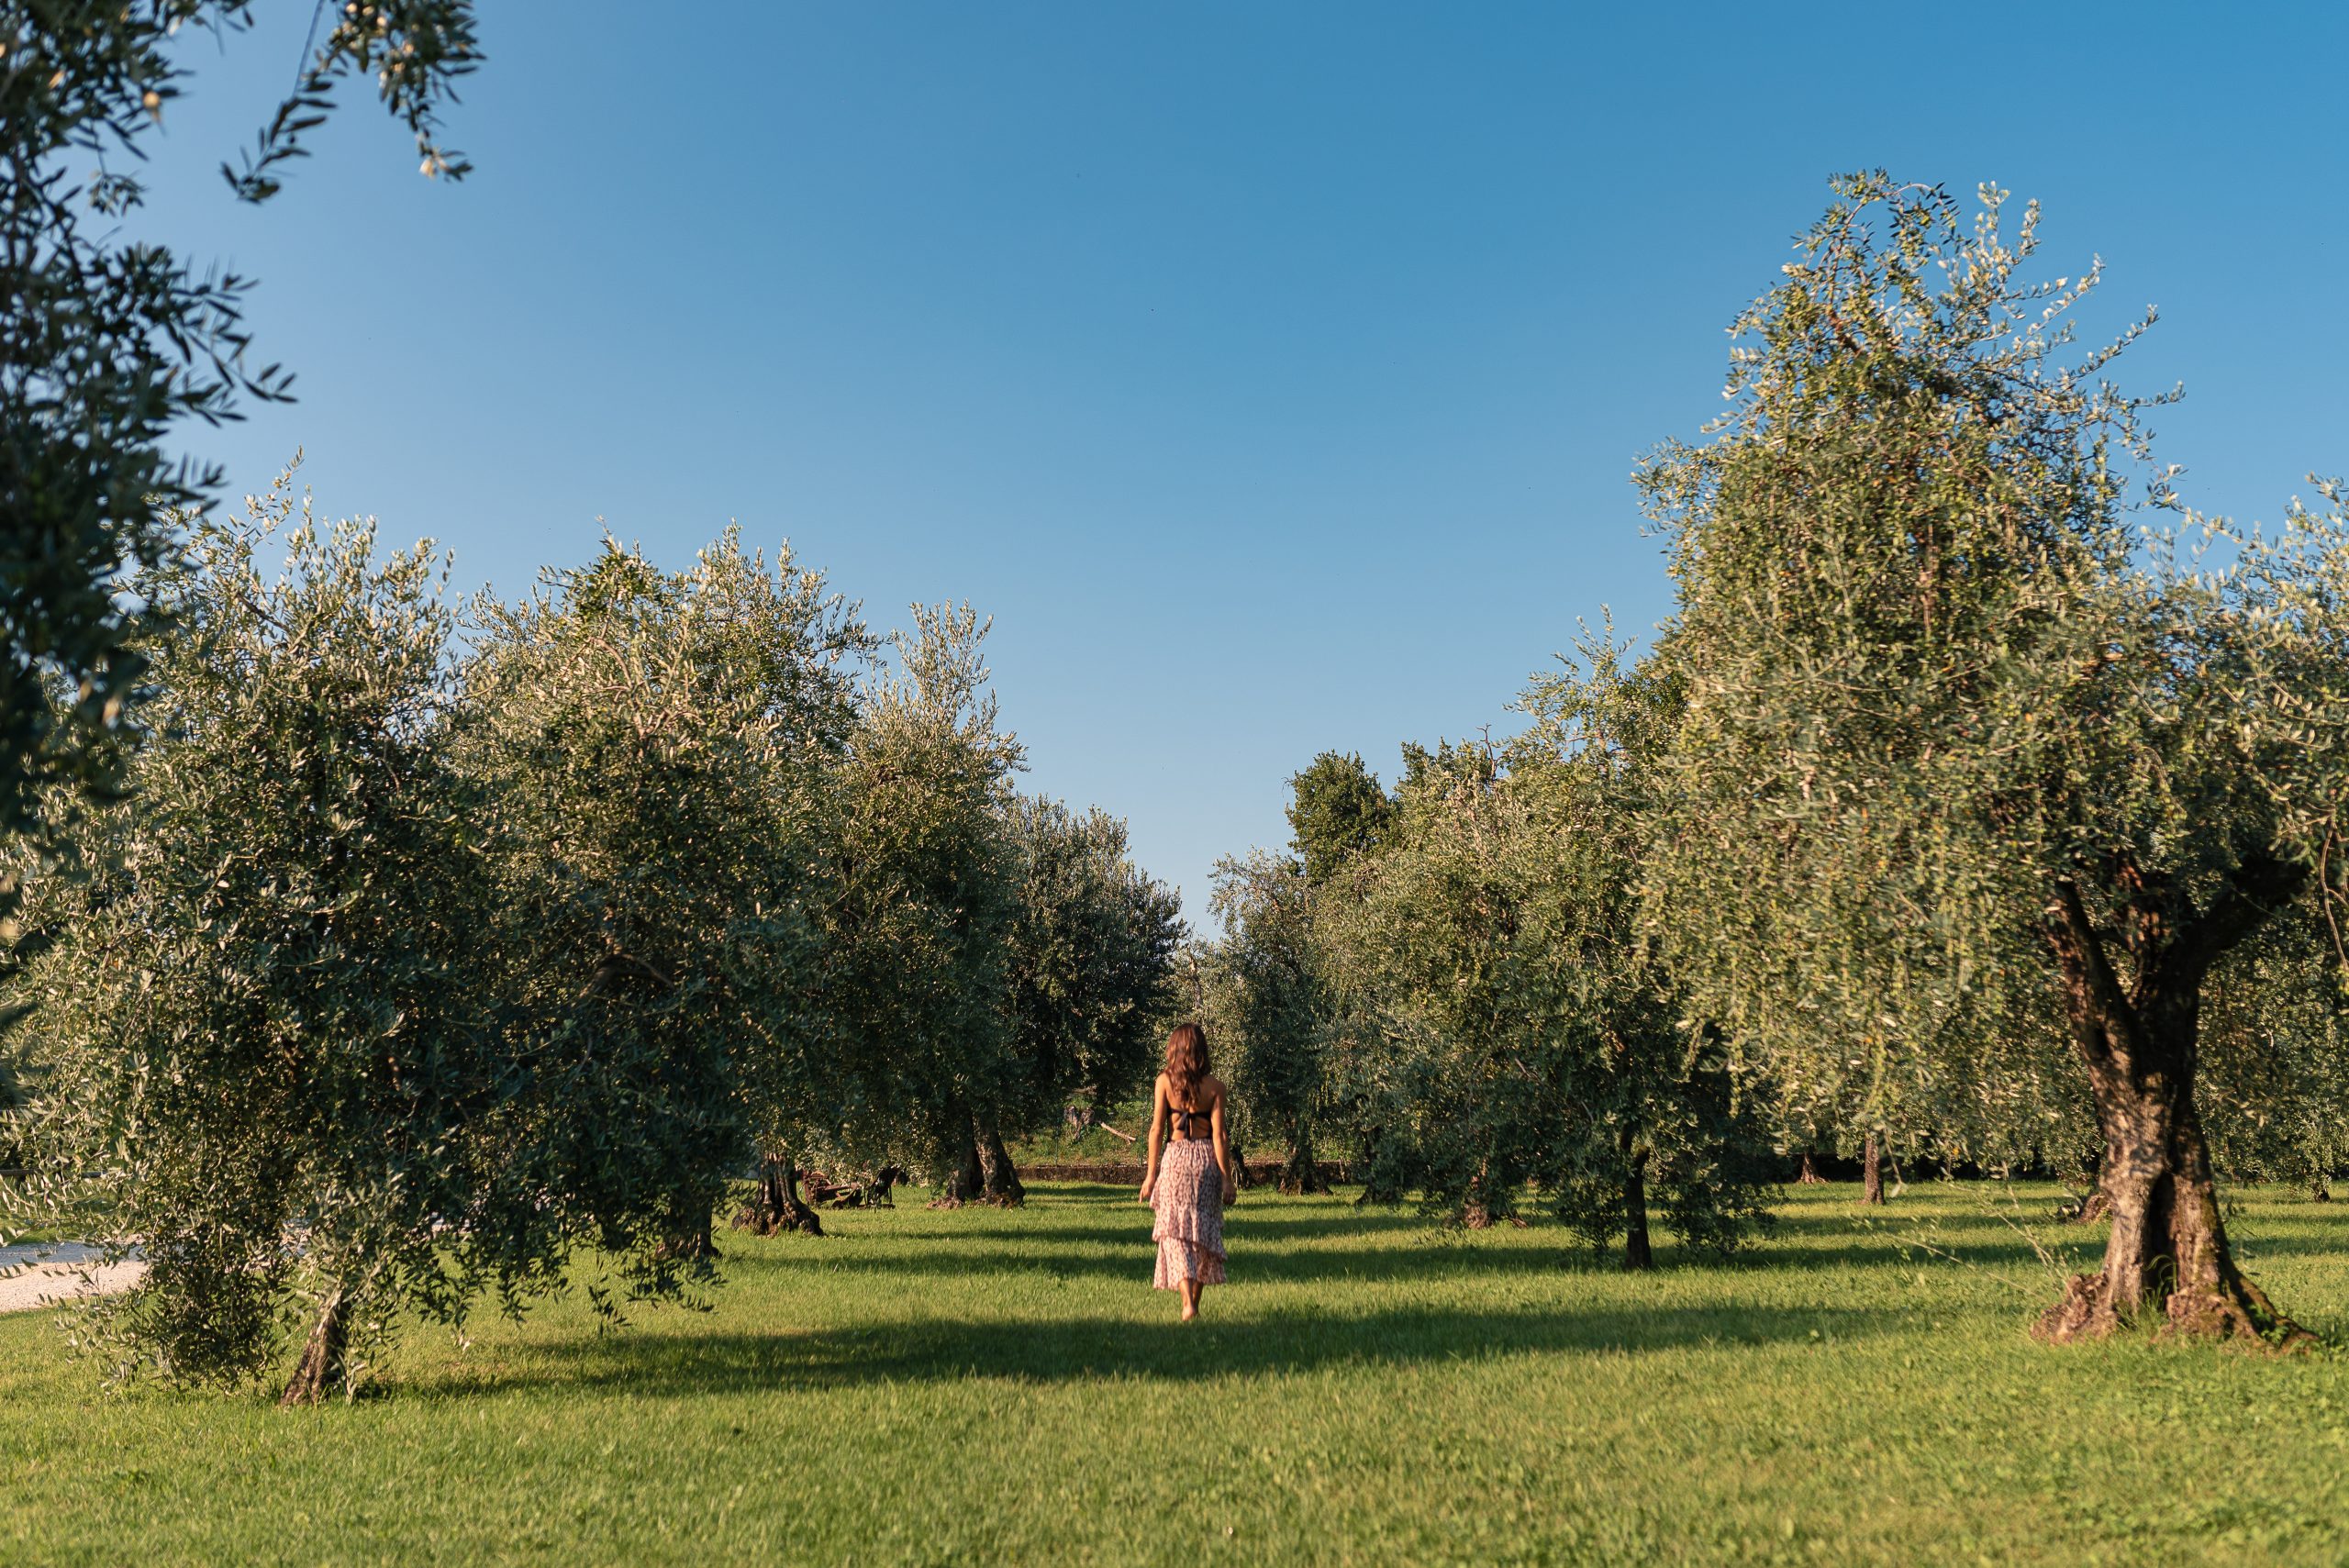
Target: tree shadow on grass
{"x": 1063, "y": 1351}
{"x": 1128, "y": 1257}
{"x": 1996, "y": 1236}
{"x": 1991, "y": 1238}
{"x": 1288, "y": 1246}
{"x": 1133, "y": 1229}
{"x": 1325, "y": 1217}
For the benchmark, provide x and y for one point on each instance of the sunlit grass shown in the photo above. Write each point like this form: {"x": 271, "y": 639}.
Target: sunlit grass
{"x": 992, "y": 1387}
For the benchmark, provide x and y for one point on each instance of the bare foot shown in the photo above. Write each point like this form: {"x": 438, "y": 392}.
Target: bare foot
{"x": 1190, "y": 1313}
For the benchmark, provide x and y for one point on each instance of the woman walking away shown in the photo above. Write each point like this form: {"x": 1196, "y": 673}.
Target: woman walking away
{"x": 1189, "y": 1186}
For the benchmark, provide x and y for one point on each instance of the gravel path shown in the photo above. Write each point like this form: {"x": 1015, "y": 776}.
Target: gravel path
{"x": 59, "y": 1270}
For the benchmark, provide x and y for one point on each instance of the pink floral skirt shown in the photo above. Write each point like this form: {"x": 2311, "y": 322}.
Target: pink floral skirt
{"x": 1188, "y": 1201}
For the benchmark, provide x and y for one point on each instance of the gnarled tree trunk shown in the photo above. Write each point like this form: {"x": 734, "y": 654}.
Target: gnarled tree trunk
{"x": 2167, "y": 1249}
{"x": 690, "y": 1243}
{"x": 1000, "y": 1178}
{"x": 1638, "y": 1255}
{"x": 778, "y": 1206}
{"x": 1872, "y": 1170}
{"x": 1475, "y": 1211}
{"x": 1299, "y": 1172}
{"x": 1379, "y": 1182}
{"x": 964, "y": 1180}
{"x": 324, "y": 1366}
{"x": 1809, "y": 1175}
{"x": 2093, "y": 1205}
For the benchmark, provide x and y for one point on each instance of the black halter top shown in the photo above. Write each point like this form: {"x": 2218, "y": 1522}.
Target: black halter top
{"x": 1184, "y": 1119}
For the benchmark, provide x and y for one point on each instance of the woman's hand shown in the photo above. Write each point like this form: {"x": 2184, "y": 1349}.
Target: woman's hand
{"x": 1228, "y": 1193}
{"x": 1148, "y": 1187}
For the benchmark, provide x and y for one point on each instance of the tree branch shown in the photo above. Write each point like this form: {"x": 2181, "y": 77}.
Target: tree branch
{"x": 2079, "y": 952}
{"x": 2264, "y": 882}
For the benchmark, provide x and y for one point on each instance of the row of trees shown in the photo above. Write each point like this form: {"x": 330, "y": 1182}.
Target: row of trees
{"x": 1958, "y": 809}
{"x": 1449, "y": 983}
{"x": 429, "y": 953}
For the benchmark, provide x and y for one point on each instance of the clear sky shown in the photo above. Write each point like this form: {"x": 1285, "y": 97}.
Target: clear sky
{"x": 1271, "y": 373}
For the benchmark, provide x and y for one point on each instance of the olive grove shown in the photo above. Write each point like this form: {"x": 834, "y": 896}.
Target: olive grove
{"x": 395, "y": 955}
{"x": 276, "y": 1008}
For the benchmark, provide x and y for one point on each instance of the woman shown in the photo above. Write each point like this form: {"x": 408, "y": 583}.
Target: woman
{"x": 1188, "y": 1187}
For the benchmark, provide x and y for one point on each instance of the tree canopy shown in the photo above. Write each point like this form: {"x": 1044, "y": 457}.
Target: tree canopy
{"x": 109, "y": 342}
{"x": 276, "y": 1008}
{"x": 1336, "y": 811}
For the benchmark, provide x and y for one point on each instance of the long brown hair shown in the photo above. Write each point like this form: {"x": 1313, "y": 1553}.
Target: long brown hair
{"x": 1186, "y": 1062}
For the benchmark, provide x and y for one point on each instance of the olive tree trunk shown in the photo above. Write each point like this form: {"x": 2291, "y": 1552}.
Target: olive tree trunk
{"x": 778, "y": 1206}
{"x": 1638, "y": 1255}
{"x": 1380, "y": 1183}
{"x": 1475, "y": 1210}
{"x": 1809, "y": 1175}
{"x": 325, "y": 1364}
{"x": 2167, "y": 1249}
{"x": 690, "y": 1243}
{"x": 1299, "y": 1172}
{"x": 1000, "y": 1178}
{"x": 963, "y": 1180}
{"x": 1872, "y": 1170}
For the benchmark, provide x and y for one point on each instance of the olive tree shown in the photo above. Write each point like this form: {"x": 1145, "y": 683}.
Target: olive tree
{"x": 660, "y": 746}
{"x": 274, "y": 1053}
{"x": 1959, "y": 730}
{"x": 1275, "y": 1008}
{"x": 915, "y": 917}
{"x": 1091, "y": 950}
{"x": 1520, "y": 1032}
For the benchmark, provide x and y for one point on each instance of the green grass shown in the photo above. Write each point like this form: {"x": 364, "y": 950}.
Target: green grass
{"x": 985, "y": 1386}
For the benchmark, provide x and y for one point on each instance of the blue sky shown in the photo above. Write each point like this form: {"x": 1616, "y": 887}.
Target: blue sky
{"x": 1271, "y": 373}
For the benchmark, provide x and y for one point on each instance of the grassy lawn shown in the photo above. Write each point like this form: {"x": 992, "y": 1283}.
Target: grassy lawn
{"x": 989, "y": 1386}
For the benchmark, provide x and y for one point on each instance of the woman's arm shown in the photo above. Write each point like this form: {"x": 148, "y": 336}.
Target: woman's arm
{"x": 1157, "y": 1137}
{"x": 1223, "y": 1148}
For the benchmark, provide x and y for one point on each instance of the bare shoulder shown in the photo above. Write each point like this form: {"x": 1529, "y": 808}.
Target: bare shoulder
{"x": 1214, "y": 1087}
